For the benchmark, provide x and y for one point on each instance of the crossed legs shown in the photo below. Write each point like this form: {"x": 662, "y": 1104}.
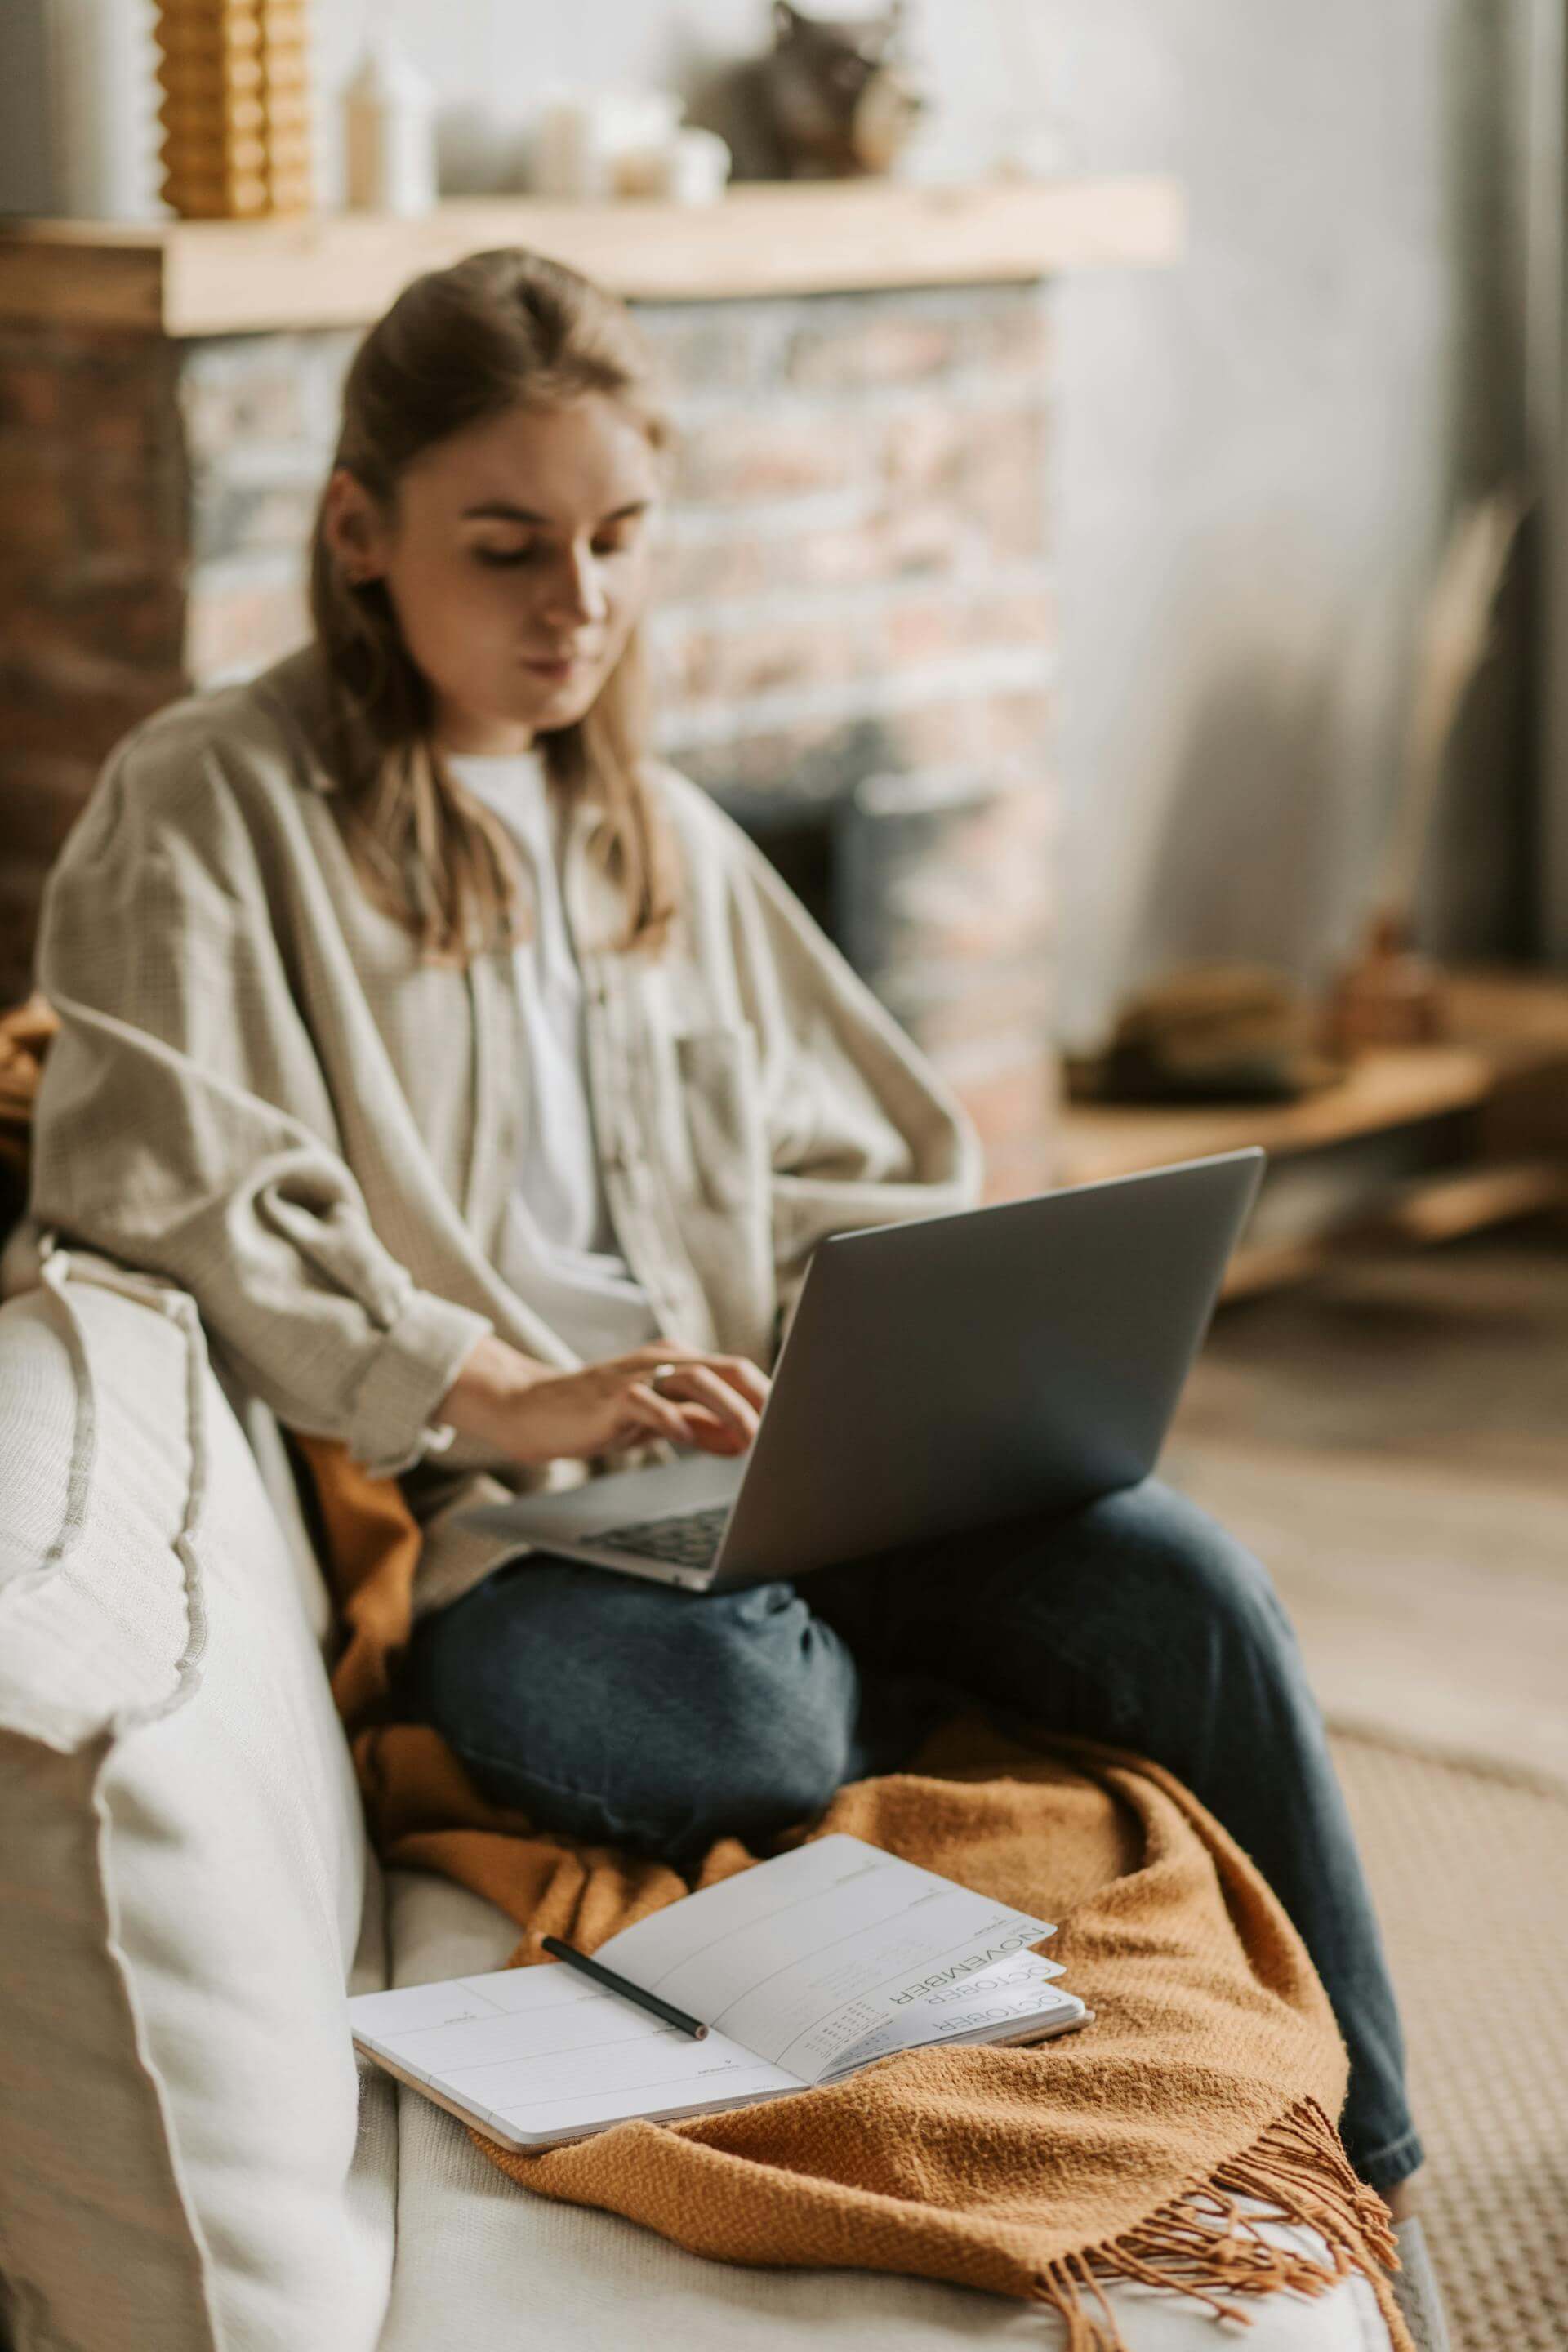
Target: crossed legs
{"x": 615, "y": 1709}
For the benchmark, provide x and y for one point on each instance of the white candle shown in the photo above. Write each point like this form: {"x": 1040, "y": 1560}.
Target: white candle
{"x": 585, "y": 136}
{"x": 389, "y": 148}
{"x": 699, "y": 167}
{"x": 690, "y": 167}
{"x": 572, "y": 154}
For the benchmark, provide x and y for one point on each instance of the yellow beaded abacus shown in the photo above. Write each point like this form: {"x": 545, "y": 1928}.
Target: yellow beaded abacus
{"x": 236, "y": 110}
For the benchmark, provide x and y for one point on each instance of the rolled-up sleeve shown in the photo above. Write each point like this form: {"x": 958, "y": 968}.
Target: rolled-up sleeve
{"x": 183, "y": 1125}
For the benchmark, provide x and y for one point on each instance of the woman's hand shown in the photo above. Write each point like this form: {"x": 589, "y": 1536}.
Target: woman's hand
{"x": 533, "y": 1412}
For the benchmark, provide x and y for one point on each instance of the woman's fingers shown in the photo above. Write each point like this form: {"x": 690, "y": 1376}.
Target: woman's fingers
{"x": 714, "y": 1404}
{"x": 714, "y": 1436}
{"x": 665, "y": 1416}
{"x": 704, "y": 1399}
{"x": 743, "y": 1374}
{"x": 738, "y": 1373}
{"x": 689, "y": 1424}
{"x": 705, "y": 1386}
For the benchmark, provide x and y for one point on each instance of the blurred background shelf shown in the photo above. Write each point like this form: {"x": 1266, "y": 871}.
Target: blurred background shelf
{"x": 185, "y": 278}
{"x": 1416, "y": 1144}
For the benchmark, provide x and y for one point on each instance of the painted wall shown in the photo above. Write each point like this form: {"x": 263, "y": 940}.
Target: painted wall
{"x": 1256, "y": 455}
{"x": 1259, "y": 455}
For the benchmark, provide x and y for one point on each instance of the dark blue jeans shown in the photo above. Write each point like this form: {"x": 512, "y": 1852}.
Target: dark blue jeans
{"x": 613, "y": 1709}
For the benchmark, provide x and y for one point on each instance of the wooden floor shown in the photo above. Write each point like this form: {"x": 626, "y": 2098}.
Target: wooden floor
{"x": 1393, "y": 1440}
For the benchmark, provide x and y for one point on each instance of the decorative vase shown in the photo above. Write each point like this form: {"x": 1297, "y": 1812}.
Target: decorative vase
{"x": 236, "y": 108}
{"x": 389, "y": 146}
{"x": 1389, "y": 997}
{"x": 690, "y": 167}
{"x": 582, "y": 135}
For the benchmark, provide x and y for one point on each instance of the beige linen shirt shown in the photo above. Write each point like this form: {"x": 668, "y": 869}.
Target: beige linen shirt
{"x": 259, "y": 1094}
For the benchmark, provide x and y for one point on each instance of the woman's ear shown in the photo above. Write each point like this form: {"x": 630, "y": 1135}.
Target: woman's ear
{"x": 350, "y": 525}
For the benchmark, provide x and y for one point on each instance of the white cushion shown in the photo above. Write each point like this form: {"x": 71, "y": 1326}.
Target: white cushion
{"x": 265, "y": 1438}
{"x": 480, "y": 2261}
{"x": 183, "y": 1865}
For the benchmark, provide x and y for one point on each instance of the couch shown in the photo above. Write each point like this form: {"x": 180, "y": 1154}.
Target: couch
{"x": 189, "y": 2157}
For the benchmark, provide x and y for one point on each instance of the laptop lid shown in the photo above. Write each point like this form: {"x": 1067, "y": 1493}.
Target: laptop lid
{"x": 954, "y": 1371}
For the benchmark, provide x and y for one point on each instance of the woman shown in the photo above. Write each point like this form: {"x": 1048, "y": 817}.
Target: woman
{"x": 466, "y": 1067}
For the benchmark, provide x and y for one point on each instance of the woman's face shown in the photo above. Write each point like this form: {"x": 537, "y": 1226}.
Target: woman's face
{"x": 517, "y": 563}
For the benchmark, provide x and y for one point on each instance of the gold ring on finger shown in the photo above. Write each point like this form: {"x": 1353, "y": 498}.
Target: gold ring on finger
{"x": 659, "y": 1372}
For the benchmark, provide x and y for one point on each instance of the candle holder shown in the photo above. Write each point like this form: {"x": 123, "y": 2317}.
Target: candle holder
{"x": 236, "y": 108}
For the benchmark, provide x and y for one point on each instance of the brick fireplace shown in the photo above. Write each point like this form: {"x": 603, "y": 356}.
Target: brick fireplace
{"x": 854, "y": 636}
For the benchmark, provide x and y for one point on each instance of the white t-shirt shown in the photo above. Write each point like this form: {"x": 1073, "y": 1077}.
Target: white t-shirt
{"x": 582, "y": 1286}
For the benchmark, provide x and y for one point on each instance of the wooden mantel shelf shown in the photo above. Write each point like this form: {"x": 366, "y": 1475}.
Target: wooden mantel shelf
{"x": 182, "y": 279}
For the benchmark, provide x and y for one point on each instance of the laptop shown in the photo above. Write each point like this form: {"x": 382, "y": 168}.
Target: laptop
{"x": 938, "y": 1374}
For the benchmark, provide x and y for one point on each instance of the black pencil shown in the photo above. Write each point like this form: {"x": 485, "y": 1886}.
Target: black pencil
{"x": 613, "y": 1984}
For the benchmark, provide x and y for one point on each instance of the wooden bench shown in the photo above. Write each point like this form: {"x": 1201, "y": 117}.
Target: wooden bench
{"x": 1417, "y": 1143}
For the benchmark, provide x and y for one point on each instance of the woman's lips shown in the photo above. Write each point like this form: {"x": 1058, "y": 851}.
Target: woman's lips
{"x": 558, "y": 670}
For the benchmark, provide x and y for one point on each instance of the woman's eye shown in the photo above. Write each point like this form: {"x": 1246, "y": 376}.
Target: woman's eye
{"x": 531, "y": 555}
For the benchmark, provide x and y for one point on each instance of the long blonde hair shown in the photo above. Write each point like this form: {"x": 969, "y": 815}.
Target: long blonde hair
{"x": 458, "y": 346}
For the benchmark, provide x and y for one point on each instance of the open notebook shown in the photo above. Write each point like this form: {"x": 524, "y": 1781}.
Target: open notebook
{"x": 803, "y": 1968}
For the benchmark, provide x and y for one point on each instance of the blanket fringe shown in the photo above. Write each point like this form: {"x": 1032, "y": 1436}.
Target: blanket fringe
{"x": 1203, "y": 2246}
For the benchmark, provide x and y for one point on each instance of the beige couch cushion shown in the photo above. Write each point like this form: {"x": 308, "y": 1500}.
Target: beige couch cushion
{"x": 481, "y": 2262}
{"x": 183, "y": 1865}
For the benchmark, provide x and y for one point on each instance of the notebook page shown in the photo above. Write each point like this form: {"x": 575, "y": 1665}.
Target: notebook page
{"x": 540, "y": 2052}
{"x": 1012, "y": 1994}
{"x": 800, "y": 1958}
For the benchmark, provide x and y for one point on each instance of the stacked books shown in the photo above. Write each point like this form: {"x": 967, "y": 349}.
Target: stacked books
{"x": 793, "y": 1973}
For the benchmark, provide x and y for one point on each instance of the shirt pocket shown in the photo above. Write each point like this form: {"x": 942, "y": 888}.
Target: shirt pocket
{"x": 721, "y": 1090}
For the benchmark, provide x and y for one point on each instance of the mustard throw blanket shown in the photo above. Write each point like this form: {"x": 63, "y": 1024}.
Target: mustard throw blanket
{"x": 1127, "y": 2151}
{"x": 1210, "y": 2076}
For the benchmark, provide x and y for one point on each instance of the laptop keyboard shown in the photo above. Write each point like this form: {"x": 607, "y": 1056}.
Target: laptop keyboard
{"x": 689, "y": 1541}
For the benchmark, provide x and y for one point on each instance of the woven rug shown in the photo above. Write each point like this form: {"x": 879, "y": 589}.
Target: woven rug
{"x": 1469, "y": 1863}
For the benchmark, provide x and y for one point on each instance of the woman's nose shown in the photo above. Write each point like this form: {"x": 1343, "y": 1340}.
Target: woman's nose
{"x": 577, "y": 589}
